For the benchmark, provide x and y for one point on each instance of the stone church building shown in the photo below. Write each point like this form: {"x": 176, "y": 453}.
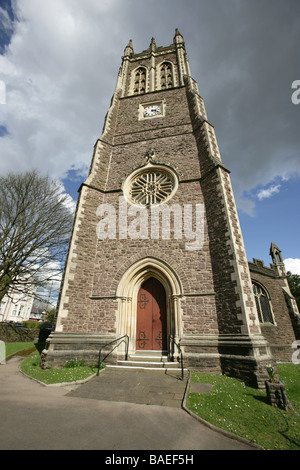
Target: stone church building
{"x": 156, "y": 251}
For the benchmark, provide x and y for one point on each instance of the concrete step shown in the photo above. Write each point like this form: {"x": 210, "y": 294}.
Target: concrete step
{"x": 118, "y": 366}
{"x": 148, "y": 356}
{"x": 154, "y": 360}
{"x": 149, "y": 364}
{"x": 150, "y": 352}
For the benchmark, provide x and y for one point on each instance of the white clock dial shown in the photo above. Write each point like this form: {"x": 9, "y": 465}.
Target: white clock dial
{"x": 152, "y": 110}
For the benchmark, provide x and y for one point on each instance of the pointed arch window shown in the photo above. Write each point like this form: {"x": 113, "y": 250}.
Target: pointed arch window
{"x": 263, "y": 305}
{"x": 139, "y": 81}
{"x": 166, "y": 75}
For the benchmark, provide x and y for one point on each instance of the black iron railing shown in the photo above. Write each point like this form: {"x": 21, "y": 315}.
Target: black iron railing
{"x": 120, "y": 340}
{"x": 179, "y": 352}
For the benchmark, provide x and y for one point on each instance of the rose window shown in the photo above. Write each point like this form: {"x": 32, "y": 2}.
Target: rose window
{"x": 151, "y": 187}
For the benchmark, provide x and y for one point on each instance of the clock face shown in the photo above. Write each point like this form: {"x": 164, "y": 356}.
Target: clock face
{"x": 152, "y": 110}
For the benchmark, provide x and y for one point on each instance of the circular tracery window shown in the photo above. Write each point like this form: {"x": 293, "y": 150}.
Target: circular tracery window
{"x": 151, "y": 186}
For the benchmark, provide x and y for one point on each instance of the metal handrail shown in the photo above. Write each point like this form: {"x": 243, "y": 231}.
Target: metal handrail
{"x": 126, "y": 341}
{"x": 181, "y": 355}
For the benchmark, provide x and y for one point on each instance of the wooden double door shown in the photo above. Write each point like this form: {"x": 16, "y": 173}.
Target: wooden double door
{"x": 151, "y": 333}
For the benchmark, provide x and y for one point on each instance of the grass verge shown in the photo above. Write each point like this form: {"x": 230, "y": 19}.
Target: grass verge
{"x": 72, "y": 372}
{"x": 31, "y": 367}
{"x": 18, "y": 347}
{"x": 244, "y": 411}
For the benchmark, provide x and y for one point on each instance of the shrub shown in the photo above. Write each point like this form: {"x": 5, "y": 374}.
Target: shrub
{"x": 74, "y": 363}
{"x": 31, "y": 324}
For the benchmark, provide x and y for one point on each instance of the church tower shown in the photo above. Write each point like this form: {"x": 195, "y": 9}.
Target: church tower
{"x": 157, "y": 251}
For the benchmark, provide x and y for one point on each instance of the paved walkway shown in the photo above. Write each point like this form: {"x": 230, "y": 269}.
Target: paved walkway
{"x": 33, "y": 416}
{"x": 147, "y": 387}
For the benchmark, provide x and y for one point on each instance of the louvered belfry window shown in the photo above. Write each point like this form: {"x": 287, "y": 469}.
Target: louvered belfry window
{"x": 166, "y": 75}
{"x": 140, "y": 81}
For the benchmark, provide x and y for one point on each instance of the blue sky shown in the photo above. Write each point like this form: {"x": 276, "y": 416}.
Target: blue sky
{"x": 276, "y": 218}
{"x": 59, "y": 61}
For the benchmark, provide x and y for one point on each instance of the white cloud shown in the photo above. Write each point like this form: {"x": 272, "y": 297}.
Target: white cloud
{"x": 292, "y": 265}
{"x": 50, "y": 291}
{"x": 61, "y": 67}
{"x": 266, "y": 193}
{"x": 246, "y": 205}
{"x": 68, "y": 201}
{"x": 53, "y": 71}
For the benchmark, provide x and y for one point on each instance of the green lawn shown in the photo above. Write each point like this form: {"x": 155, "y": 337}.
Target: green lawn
{"x": 13, "y": 348}
{"x": 74, "y": 370}
{"x": 70, "y": 373}
{"x": 244, "y": 411}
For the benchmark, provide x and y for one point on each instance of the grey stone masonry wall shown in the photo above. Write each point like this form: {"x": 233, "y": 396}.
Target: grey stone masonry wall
{"x": 210, "y": 302}
{"x": 282, "y": 331}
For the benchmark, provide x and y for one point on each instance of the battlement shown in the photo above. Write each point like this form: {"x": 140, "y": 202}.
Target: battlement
{"x": 258, "y": 266}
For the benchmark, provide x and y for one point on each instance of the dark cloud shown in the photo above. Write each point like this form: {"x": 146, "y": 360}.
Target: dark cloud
{"x": 62, "y": 63}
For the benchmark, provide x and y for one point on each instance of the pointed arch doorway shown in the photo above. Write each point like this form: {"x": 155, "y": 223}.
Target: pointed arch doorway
{"x": 128, "y": 298}
{"x": 151, "y": 332}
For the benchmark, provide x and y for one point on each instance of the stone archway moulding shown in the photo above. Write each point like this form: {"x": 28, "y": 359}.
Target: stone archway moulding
{"x": 127, "y": 292}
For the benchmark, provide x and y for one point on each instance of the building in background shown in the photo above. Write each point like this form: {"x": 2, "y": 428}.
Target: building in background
{"x": 16, "y": 306}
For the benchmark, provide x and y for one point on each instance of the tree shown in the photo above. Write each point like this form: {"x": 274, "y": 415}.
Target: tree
{"x": 35, "y": 226}
{"x": 294, "y": 284}
{"x": 51, "y": 315}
